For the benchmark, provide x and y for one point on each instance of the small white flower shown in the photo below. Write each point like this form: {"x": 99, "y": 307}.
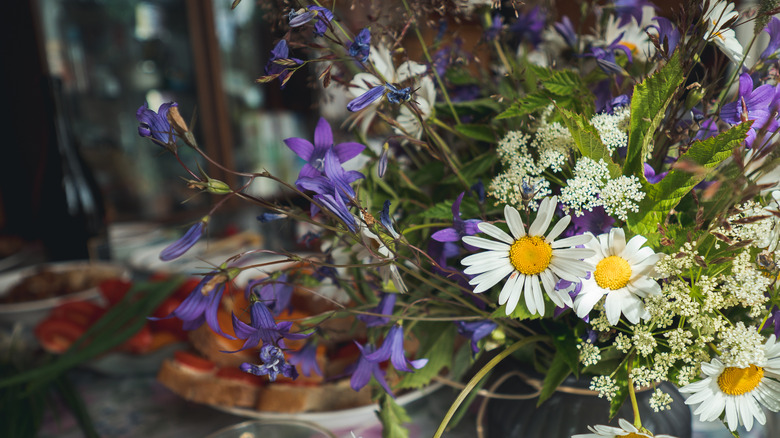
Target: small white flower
{"x": 740, "y": 392}
{"x": 626, "y": 429}
{"x": 530, "y": 259}
{"x": 622, "y": 273}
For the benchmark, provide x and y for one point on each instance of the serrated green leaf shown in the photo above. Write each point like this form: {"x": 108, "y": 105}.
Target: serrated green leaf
{"x": 392, "y": 417}
{"x": 477, "y": 132}
{"x": 662, "y": 197}
{"x": 527, "y": 105}
{"x": 588, "y": 140}
{"x": 542, "y": 73}
{"x": 443, "y": 210}
{"x": 556, "y": 374}
{"x": 437, "y": 343}
{"x": 563, "y": 83}
{"x": 648, "y": 106}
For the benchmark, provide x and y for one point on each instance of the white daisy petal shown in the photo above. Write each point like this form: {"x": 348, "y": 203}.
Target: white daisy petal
{"x": 514, "y": 221}
{"x": 571, "y": 241}
{"x": 484, "y": 256}
{"x": 487, "y": 280}
{"x": 516, "y": 292}
{"x": 506, "y": 291}
{"x": 543, "y": 218}
{"x": 530, "y": 298}
{"x": 495, "y": 232}
{"x": 481, "y": 242}
{"x": 617, "y": 241}
{"x": 558, "y": 228}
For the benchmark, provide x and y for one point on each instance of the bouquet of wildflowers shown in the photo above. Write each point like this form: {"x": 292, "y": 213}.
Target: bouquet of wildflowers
{"x": 597, "y": 191}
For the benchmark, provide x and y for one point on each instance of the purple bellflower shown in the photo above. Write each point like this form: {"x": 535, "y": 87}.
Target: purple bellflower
{"x": 367, "y": 368}
{"x": 361, "y": 47}
{"x": 459, "y": 226}
{"x": 322, "y": 15}
{"x": 708, "y": 128}
{"x": 393, "y": 348}
{"x": 774, "y": 320}
{"x": 156, "y": 125}
{"x": 751, "y": 105}
{"x": 314, "y": 154}
{"x": 605, "y": 57}
{"x": 306, "y": 359}
{"x": 333, "y": 188}
{"x": 651, "y": 176}
{"x": 773, "y": 29}
{"x": 273, "y": 365}
{"x": 566, "y": 30}
{"x": 280, "y": 51}
{"x": 274, "y": 293}
{"x": 185, "y": 242}
{"x": 574, "y": 290}
{"x": 385, "y": 307}
{"x": 530, "y": 25}
{"x": 596, "y": 221}
{"x": 263, "y": 328}
{"x": 475, "y": 330}
{"x": 335, "y": 204}
{"x": 386, "y": 221}
{"x": 668, "y": 34}
{"x": 492, "y": 32}
{"x": 201, "y": 304}
{"x": 626, "y": 9}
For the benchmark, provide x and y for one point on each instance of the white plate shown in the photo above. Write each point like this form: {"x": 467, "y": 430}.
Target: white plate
{"x": 345, "y": 419}
{"x": 31, "y": 312}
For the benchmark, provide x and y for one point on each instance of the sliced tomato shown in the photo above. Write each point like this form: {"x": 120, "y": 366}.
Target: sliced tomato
{"x": 140, "y": 342}
{"x": 83, "y": 313}
{"x": 172, "y": 325}
{"x": 57, "y": 335}
{"x": 194, "y": 362}
{"x": 114, "y": 289}
{"x": 231, "y": 373}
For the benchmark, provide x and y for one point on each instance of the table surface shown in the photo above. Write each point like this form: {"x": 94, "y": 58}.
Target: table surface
{"x": 139, "y": 406}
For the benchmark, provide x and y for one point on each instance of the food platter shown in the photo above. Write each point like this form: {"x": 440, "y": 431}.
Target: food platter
{"x": 29, "y": 312}
{"x": 342, "y": 420}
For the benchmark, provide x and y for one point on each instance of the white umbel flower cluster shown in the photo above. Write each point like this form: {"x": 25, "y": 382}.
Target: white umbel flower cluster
{"x": 741, "y": 346}
{"x": 612, "y": 127}
{"x": 592, "y": 187}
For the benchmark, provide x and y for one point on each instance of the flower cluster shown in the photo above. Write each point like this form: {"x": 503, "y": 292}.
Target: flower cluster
{"x": 580, "y": 190}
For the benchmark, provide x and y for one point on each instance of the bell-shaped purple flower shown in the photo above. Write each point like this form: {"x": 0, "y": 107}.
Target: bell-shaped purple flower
{"x": 459, "y": 226}
{"x": 273, "y": 365}
{"x": 475, "y": 331}
{"x": 385, "y": 307}
{"x": 335, "y": 204}
{"x": 321, "y": 15}
{"x": 156, "y": 125}
{"x": 530, "y": 25}
{"x": 276, "y": 294}
{"x": 367, "y": 368}
{"x": 263, "y": 328}
{"x": 280, "y": 51}
{"x": 627, "y": 9}
{"x": 361, "y": 47}
{"x": 751, "y": 105}
{"x": 335, "y": 181}
{"x": 566, "y": 30}
{"x": 314, "y": 154}
{"x": 202, "y": 304}
{"x": 668, "y": 34}
{"x": 185, "y": 242}
{"x": 393, "y": 348}
{"x": 306, "y": 359}
{"x": 773, "y": 29}
{"x": 651, "y": 176}
{"x": 496, "y": 23}
{"x": 386, "y": 221}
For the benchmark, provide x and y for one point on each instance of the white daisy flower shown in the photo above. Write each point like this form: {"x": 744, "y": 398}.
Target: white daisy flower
{"x": 741, "y": 392}
{"x": 715, "y": 17}
{"x": 626, "y": 429}
{"x": 528, "y": 258}
{"x": 622, "y": 273}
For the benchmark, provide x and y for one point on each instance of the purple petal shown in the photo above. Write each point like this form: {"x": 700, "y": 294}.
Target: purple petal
{"x": 181, "y": 246}
{"x": 456, "y": 205}
{"x": 446, "y": 235}
{"x": 323, "y": 135}
{"x": 761, "y": 97}
{"x": 347, "y": 151}
{"x": 773, "y": 29}
{"x": 366, "y": 98}
{"x": 302, "y": 147}
{"x": 745, "y": 84}
{"x": 211, "y": 311}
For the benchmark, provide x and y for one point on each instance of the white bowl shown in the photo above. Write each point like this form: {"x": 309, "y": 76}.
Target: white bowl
{"x": 29, "y": 313}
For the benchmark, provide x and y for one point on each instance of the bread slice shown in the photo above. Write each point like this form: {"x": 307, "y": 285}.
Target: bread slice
{"x": 206, "y": 387}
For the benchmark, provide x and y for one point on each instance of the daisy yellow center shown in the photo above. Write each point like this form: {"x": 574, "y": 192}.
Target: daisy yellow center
{"x": 530, "y": 255}
{"x": 612, "y": 272}
{"x": 633, "y": 435}
{"x": 737, "y": 381}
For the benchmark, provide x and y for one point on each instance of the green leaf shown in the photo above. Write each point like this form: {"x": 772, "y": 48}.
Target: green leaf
{"x": 565, "y": 343}
{"x": 474, "y": 168}
{"x": 556, "y": 374}
{"x": 621, "y": 379}
{"x": 662, "y": 197}
{"x": 564, "y": 83}
{"x": 521, "y": 312}
{"x": 648, "y": 106}
{"x": 527, "y": 105}
{"x": 477, "y": 132}
{"x": 437, "y": 344}
{"x": 588, "y": 140}
{"x": 443, "y": 210}
{"x": 392, "y": 417}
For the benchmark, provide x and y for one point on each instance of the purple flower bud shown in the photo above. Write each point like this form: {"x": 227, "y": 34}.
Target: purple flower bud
{"x": 382, "y": 166}
{"x": 306, "y": 358}
{"x": 366, "y": 98}
{"x": 393, "y": 348}
{"x": 385, "y": 307}
{"x": 361, "y": 47}
{"x": 156, "y": 125}
{"x": 384, "y": 218}
{"x": 185, "y": 242}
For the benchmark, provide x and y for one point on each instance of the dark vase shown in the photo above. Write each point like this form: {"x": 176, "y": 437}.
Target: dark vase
{"x": 567, "y": 412}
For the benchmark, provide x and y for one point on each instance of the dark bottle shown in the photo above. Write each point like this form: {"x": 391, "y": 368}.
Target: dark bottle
{"x": 74, "y": 225}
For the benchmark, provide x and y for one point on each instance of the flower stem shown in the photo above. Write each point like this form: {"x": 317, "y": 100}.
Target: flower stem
{"x": 632, "y": 395}
{"x": 479, "y": 376}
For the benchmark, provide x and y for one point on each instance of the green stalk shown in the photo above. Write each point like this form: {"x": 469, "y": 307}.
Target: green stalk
{"x": 480, "y": 375}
